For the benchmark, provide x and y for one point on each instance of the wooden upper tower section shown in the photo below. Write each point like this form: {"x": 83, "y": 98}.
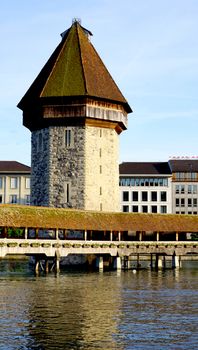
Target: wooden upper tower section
{"x": 74, "y": 85}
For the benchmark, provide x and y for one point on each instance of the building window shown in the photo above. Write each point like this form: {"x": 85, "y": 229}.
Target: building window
{"x": 125, "y": 196}
{"x": 163, "y": 209}
{"x": 27, "y": 199}
{"x": 135, "y": 208}
{"x": 194, "y": 189}
{"x": 189, "y": 202}
{"x": 163, "y": 196}
{"x": 13, "y": 182}
{"x": 189, "y": 189}
{"x": 194, "y": 202}
{"x": 182, "y": 202}
{"x": 1, "y": 199}
{"x": 1, "y": 182}
{"x": 27, "y": 182}
{"x": 144, "y": 209}
{"x": 125, "y": 208}
{"x": 135, "y": 196}
{"x": 177, "y": 202}
{"x": 154, "y": 209}
{"x": 154, "y": 196}
{"x": 13, "y": 199}
{"x": 177, "y": 187}
{"x": 68, "y": 138}
{"x": 67, "y": 191}
{"x": 144, "y": 196}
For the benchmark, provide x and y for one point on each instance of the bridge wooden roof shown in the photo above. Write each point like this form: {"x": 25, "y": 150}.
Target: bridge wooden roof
{"x": 42, "y": 217}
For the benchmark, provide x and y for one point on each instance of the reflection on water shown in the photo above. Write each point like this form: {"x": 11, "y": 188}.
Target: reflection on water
{"x": 78, "y": 310}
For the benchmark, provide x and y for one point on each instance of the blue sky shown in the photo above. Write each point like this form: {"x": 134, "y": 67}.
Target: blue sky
{"x": 150, "y": 47}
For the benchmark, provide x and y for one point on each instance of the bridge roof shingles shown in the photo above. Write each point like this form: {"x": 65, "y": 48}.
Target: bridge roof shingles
{"x": 42, "y": 217}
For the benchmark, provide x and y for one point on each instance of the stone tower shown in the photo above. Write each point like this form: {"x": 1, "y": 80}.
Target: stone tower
{"x": 75, "y": 113}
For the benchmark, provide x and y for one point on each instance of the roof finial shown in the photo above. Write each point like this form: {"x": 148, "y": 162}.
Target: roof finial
{"x": 76, "y": 20}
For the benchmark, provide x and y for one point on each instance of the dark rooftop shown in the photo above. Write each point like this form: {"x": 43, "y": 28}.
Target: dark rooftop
{"x": 183, "y": 165}
{"x": 74, "y": 69}
{"x": 13, "y": 166}
{"x": 144, "y": 168}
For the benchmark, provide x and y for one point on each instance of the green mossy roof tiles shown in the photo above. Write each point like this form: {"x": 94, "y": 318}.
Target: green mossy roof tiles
{"x": 74, "y": 69}
{"x": 42, "y": 217}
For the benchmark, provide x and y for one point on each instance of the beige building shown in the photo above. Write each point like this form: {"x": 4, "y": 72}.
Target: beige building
{"x": 14, "y": 183}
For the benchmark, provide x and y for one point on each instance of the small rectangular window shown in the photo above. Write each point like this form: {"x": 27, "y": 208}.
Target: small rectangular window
{"x": 154, "y": 209}
{"x": 1, "y": 182}
{"x": 194, "y": 202}
{"x": 154, "y": 196}
{"x": 144, "y": 209}
{"x": 27, "y": 199}
{"x": 163, "y": 196}
{"x": 125, "y": 208}
{"x": 13, "y": 182}
{"x": 182, "y": 202}
{"x": 67, "y": 191}
{"x": 27, "y": 182}
{"x": 13, "y": 199}
{"x": 135, "y": 196}
{"x": 144, "y": 196}
{"x": 189, "y": 202}
{"x": 68, "y": 138}
{"x": 163, "y": 209}
{"x": 194, "y": 189}
{"x": 177, "y": 202}
{"x": 125, "y": 196}
{"x": 135, "y": 208}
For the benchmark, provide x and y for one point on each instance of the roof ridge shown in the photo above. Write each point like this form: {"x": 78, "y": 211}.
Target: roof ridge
{"x": 80, "y": 50}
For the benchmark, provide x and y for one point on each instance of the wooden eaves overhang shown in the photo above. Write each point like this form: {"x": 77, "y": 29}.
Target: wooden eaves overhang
{"x": 42, "y": 217}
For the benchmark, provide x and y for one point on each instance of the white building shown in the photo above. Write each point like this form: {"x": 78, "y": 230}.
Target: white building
{"x": 14, "y": 183}
{"x": 184, "y": 186}
{"x": 145, "y": 187}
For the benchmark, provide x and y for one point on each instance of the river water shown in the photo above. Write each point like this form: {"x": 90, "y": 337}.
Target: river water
{"x": 94, "y": 310}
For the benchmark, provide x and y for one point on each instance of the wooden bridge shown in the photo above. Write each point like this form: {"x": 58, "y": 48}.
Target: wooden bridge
{"x": 113, "y": 239}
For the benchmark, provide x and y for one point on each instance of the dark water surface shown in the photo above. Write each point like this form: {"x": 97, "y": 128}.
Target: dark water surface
{"x": 110, "y": 310}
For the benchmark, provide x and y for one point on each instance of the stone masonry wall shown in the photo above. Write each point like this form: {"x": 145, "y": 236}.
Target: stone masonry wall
{"x": 84, "y": 175}
{"x": 40, "y": 168}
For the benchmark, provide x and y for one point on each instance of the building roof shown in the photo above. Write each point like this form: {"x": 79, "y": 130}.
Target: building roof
{"x": 40, "y": 217}
{"x": 184, "y": 165}
{"x": 13, "y": 166}
{"x": 74, "y": 69}
{"x": 144, "y": 168}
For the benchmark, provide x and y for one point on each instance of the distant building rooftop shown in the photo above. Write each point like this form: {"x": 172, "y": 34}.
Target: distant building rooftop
{"x": 144, "y": 168}
{"x": 184, "y": 165}
{"x": 13, "y": 166}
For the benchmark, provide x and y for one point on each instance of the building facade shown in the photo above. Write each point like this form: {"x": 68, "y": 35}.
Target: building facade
{"x": 14, "y": 183}
{"x": 184, "y": 186}
{"x": 75, "y": 113}
{"x": 145, "y": 187}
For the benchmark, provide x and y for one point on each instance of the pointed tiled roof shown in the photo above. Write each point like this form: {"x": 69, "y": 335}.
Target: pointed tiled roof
{"x": 74, "y": 69}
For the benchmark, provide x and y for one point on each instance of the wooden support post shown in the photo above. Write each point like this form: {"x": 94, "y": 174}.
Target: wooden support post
{"x": 151, "y": 263}
{"x": 111, "y": 236}
{"x": 156, "y": 261}
{"x": 57, "y": 261}
{"x": 157, "y": 236}
{"x": 26, "y": 232}
{"x": 177, "y": 236}
{"x": 36, "y": 268}
{"x": 117, "y": 263}
{"x": 46, "y": 265}
{"x": 99, "y": 262}
{"x": 140, "y": 235}
{"x": 119, "y": 236}
{"x": 138, "y": 260}
{"x": 85, "y": 235}
{"x": 56, "y": 233}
